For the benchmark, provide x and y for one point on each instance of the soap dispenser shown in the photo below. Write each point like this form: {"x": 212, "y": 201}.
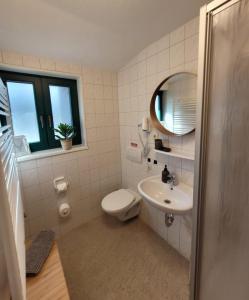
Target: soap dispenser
{"x": 165, "y": 174}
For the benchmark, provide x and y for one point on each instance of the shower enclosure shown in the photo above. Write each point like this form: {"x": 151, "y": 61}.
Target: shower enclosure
{"x": 220, "y": 268}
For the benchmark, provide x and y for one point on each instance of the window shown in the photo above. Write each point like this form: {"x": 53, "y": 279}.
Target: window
{"x": 38, "y": 104}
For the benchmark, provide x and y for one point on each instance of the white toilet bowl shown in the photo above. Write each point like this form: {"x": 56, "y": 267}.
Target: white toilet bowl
{"x": 122, "y": 204}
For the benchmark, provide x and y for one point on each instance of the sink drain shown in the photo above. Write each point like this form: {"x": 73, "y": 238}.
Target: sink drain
{"x": 167, "y": 201}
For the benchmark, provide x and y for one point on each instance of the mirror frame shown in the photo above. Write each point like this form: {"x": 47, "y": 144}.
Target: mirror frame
{"x": 153, "y": 116}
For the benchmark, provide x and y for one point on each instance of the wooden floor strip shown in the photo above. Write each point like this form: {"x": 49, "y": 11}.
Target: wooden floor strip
{"x": 50, "y": 283}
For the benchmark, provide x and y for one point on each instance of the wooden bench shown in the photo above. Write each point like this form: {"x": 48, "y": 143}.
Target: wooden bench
{"x": 50, "y": 283}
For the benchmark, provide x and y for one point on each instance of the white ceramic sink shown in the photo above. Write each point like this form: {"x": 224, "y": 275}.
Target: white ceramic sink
{"x": 157, "y": 193}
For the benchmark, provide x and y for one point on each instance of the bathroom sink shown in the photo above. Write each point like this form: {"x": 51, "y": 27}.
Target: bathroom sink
{"x": 157, "y": 193}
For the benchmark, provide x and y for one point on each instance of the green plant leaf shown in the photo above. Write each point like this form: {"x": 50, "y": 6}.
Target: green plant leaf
{"x": 65, "y": 131}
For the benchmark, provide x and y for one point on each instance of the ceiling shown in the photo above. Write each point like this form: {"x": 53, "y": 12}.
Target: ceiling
{"x": 103, "y": 33}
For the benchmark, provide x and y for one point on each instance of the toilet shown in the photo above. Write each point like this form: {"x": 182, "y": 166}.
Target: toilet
{"x": 123, "y": 204}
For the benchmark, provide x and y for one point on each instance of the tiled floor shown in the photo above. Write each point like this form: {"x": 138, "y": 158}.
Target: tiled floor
{"x": 109, "y": 260}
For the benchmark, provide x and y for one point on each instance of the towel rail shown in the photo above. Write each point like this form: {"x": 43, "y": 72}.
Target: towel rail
{"x": 11, "y": 208}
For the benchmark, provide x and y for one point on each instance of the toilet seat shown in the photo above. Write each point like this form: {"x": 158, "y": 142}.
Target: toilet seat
{"x": 117, "y": 201}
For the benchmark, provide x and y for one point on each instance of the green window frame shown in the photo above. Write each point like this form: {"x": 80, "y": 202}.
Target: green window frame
{"x": 44, "y": 108}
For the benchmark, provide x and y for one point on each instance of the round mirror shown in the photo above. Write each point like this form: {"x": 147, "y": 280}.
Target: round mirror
{"x": 173, "y": 104}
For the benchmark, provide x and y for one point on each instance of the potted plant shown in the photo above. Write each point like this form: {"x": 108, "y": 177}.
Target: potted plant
{"x": 65, "y": 133}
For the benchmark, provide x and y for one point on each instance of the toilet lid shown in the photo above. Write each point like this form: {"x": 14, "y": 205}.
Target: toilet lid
{"x": 117, "y": 200}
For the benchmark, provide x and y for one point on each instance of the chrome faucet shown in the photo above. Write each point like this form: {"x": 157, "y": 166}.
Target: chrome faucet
{"x": 172, "y": 180}
{"x": 168, "y": 177}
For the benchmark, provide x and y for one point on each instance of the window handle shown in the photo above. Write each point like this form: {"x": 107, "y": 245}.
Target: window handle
{"x": 42, "y": 121}
{"x": 49, "y": 121}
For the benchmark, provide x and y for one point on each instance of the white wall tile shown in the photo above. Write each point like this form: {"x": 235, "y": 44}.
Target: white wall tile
{"x": 177, "y": 36}
{"x": 62, "y": 67}
{"x": 107, "y": 78}
{"x": 89, "y": 106}
{"x": 31, "y": 195}
{"x": 47, "y": 189}
{"x": 94, "y": 172}
{"x": 37, "y": 175}
{"x": 90, "y": 120}
{"x": 192, "y": 27}
{"x": 108, "y": 106}
{"x": 29, "y": 177}
{"x": 12, "y": 58}
{"x": 107, "y": 92}
{"x": 163, "y": 61}
{"x": 45, "y": 173}
{"x": 42, "y": 162}
{"x": 59, "y": 169}
{"x": 191, "y": 48}
{"x": 75, "y": 68}
{"x": 31, "y": 61}
{"x": 177, "y": 55}
{"x": 173, "y": 53}
{"x": 191, "y": 66}
{"x": 47, "y": 64}
{"x": 187, "y": 177}
{"x": 92, "y": 134}
{"x": 97, "y": 75}
{"x": 163, "y": 43}
{"x": 188, "y": 143}
{"x": 151, "y": 65}
{"x": 151, "y": 49}
{"x": 188, "y": 165}
{"x": 142, "y": 69}
{"x": 99, "y": 92}
{"x": 80, "y": 168}
{"x": 114, "y": 79}
{"x": 26, "y": 165}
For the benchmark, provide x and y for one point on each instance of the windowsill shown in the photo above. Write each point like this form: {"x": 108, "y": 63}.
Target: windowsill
{"x": 51, "y": 152}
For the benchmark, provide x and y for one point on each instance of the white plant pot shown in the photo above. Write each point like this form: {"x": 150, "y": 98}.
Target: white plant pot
{"x": 66, "y": 144}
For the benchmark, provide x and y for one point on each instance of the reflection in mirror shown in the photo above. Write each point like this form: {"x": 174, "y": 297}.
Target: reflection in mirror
{"x": 173, "y": 105}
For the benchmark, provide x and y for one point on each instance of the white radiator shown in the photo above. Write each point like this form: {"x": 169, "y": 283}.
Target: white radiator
{"x": 11, "y": 208}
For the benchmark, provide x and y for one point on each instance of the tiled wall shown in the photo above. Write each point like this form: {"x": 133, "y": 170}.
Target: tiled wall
{"x": 91, "y": 173}
{"x": 137, "y": 81}
{"x": 95, "y": 172}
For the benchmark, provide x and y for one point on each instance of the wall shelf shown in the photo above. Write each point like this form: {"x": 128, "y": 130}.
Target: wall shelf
{"x": 173, "y": 153}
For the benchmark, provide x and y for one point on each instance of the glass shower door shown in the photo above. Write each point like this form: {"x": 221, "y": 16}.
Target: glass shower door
{"x": 223, "y": 253}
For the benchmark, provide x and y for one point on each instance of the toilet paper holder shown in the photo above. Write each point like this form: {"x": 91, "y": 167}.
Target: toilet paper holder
{"x": 64, "y": 210}
{"x": 61, "y": 184}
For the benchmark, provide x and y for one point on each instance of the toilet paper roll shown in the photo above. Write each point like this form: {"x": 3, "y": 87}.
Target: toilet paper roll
{"x": 61, "y": 187}
{"x": 134, "y": 154}
{"x": 64, "y": 210}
